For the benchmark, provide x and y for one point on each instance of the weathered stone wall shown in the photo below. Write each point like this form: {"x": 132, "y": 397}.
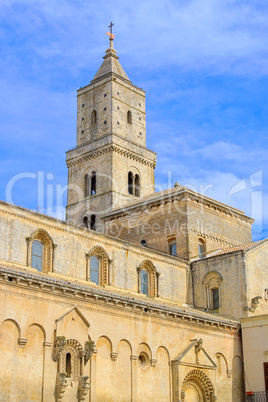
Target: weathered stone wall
{"x": 72, "y": 245}
{"x": 185, "y": 217}
{"x": 121, "y": 333}
{"x": 232, "y": 283}
{"x": 256, "y": 273}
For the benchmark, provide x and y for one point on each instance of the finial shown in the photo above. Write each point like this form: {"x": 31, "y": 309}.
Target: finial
{"x": 111, "y": 31}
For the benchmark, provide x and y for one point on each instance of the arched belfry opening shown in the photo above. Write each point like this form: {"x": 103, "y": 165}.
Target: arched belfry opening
{"x": 129, "y": 117}
{"x": 93, "y": 117}
{"x": 93, "y": 222}
{"x": 130, "y": 183}
{"x": 93, "y": 183}
{"x": 137, "y": 185}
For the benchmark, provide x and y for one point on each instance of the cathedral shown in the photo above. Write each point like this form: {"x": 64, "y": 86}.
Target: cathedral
{"x": 138, "y": 295}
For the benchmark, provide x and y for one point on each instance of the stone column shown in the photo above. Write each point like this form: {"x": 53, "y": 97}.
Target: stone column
{"x": 134, "y": 367}
{"x": 93, "y": 358}
{"x": 47, "y": 360}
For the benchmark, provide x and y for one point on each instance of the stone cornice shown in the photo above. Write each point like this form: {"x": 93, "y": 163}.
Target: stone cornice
{"x": 110, "y": 148}
{"x": 67, "y": 288}
{"x": 183, "y": 194}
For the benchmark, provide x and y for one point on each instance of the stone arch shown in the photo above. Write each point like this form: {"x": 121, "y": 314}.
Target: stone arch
{"x": 122, "y": 371}
{"x": 144, "y": 347}
{"x": 105, "y": 368}
{"x": 152, "y": 280}
{"x": 107, "y": 339}
{"x": 198, "y": 382}
{"x": 210, "y": 274}
{"x": 12, "y": 356}
{"x": 166, "y": 350}
{"x": 15, "y": 323}
{"x": 102, "y": 256}
{"x": 220, "y": 357}
{"x": 126, "y": 341}
{"x": 237, "y": 378}
{"x": 41, "y": 328}
{"x": 161, "y": 372}
{"x": 212, "y": 286}
{"x": 43, "y": 237}
{"x": 74, "y": 349}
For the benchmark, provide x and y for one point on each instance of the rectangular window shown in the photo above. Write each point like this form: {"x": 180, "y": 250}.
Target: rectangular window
{"x": 173, "y": 249}
{"x": 215, "y": 298}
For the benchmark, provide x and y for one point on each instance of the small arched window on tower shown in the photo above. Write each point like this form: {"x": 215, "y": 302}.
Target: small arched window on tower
{"x": 93, "y": 183}
{"x": 130, "y": 183}
{"x": 129, "y": 117}
{"x": 85, "y": 221}
{"x": 86, "y": 184}
{"x": 93, "y": 222}
{"x": 201, "y": 248}
{"x": 137, "y": 185}
{"x": 93, "y": 117}
{"x": 37, "y": 255}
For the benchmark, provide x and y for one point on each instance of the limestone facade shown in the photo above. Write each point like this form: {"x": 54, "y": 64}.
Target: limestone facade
{"x": 50, "y": 319}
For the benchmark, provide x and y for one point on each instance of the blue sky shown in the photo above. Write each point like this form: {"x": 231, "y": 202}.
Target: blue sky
{"x": 203, "y": 64}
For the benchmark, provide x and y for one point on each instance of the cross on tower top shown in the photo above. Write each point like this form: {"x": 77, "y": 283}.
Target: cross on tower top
{"x": 111, "y": 27}
{"x": 111, "y": 31}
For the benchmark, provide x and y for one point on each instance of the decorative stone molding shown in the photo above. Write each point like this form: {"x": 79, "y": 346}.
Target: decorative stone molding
{"x": 110, "y": 148}
{"x": 61, "y": 385}
{"x": 152, "y": 277}
{"x": 22, "y": 342}
{"x": 202, "y": 379}
{"x": 89, "y": 350}
{"x": 113, "y": 356}
{"x": 229, "y": 373}
{"x": 101, "y": 254}
{"x": 48, "y": 249}
{"x": 153, "y": 362}
{"x": 132, "y": 357}
{"x": 83, "y": 387}
{"x": 59, "y": 345}
{"x": 92, "y": 293}
{"x": 198, "y": 348}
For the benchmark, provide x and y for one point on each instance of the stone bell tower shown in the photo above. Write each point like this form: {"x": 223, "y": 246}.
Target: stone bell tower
{"x": 110, "y": 166}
